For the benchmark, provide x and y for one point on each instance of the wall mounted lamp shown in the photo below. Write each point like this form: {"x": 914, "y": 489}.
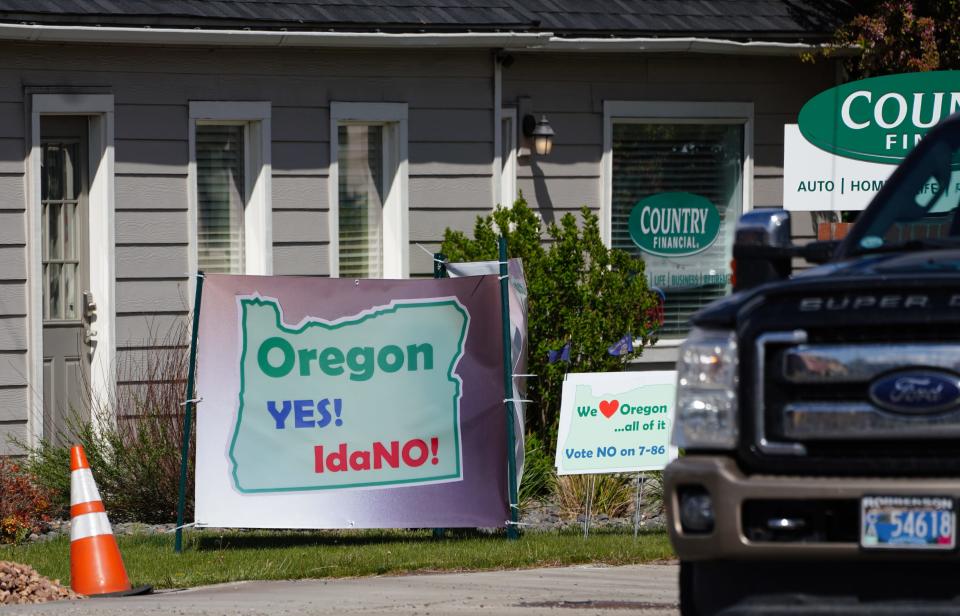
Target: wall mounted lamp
{"x": 540, "y": 132}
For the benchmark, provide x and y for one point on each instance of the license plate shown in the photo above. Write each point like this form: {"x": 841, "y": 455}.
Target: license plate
{"x": 908, "y": 522}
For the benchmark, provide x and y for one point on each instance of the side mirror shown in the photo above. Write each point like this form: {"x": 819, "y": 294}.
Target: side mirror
{"x": 762, "y": 250}
{"x": 819, "y": 252}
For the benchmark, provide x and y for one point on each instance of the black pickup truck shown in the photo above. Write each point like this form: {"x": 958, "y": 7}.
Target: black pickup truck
{"x": 819, "y": 412}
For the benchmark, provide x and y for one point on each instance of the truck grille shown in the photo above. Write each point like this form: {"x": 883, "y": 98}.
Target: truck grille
{"x": 820, "y": 392}
{"x": 806, "y": 403}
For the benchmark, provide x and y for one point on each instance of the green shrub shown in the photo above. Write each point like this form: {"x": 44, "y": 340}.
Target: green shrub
{"x": 539, "y": 475}
{"x": 50, "y": 464}
{"x": 132, "y": 441}
{"x": 580, "y": 292}
{"x": 613, "y": 494}
{"x": 651, "y": 497}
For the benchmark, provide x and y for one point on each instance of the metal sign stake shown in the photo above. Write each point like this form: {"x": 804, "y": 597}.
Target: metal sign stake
{"x": 188, "y": 417}
{"x": 512, "y": 532}
{"x": 638, "y": 503}
{"x": 589, "y": 506}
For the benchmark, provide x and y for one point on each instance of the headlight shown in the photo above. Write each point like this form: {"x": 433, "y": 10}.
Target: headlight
{"x": 706, "y": 409}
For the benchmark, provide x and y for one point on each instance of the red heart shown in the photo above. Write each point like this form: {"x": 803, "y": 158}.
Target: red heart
{"x": 609, "y": 407}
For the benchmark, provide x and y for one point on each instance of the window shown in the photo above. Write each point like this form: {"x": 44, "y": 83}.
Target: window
{"x": 361, "y": 196}
{"x": 368, "y": 186}
{"x": 230, "y": 169}
{"x": 696, "y": 148}
{"x": 221, "y": 198}
{"x": 508, "y": 156}
{"x": 61, "y": 191}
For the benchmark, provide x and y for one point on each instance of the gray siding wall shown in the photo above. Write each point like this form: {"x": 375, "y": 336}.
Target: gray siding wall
{"x": 450, "y": 150}
{"x": 13, "y": 291}
{"x": 571, "y": 89}
{"x": 450, "y": 98}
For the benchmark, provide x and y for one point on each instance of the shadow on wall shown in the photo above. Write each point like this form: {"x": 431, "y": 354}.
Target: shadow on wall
{"x": 543, "y": 202}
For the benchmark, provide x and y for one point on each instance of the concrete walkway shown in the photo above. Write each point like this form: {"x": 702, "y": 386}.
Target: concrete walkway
{"x": 647, "y": 590}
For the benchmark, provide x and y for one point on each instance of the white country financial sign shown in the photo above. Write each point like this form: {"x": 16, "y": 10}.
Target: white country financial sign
{"x": 814, "y": 180}
{"x": 850, "y": 138}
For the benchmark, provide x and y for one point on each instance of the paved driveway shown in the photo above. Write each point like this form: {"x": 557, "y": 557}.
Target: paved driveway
{"x": 647, "y": 590}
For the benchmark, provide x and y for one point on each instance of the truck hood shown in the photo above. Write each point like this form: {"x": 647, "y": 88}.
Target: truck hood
{"x": 893, "y": 269}
{"x": 920, "y": 263}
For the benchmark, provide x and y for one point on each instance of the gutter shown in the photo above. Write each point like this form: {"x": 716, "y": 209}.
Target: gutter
{"x": 683, "y": 45}
{"x": 265, "y": 38}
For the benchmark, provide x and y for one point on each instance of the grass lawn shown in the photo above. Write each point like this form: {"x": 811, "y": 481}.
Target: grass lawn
{"x": 212, "y": 557}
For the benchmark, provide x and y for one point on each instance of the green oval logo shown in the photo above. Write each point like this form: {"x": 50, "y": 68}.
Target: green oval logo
{"x": 674, "y": 224}
{"x": 880, "y": 119}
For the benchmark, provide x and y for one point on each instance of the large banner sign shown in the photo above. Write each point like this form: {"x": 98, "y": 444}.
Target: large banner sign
{"x": 341, "y": 403}
{"x": 850, "y": 138}
{"x": 616, "y": 422}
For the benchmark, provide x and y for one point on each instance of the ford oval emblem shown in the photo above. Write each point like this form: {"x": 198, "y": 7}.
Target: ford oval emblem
{"x": 916, "y": 392}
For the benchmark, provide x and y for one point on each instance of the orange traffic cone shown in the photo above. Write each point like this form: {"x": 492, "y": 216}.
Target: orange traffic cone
{"x": 96, "y": 567}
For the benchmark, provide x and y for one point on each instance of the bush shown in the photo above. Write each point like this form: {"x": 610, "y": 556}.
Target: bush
{"x": 133, "y": 441}
{"x": 651, "y": 504}
{"x": 539, "y": 477}
{"x": 580, "y": 292}
{"x": 613, "y": 495}
{"x": 24, "y": 505}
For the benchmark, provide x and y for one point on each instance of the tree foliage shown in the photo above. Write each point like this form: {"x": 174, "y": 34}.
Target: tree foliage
{"x": 901, "y": 37}
{"x": 580, "y": 292}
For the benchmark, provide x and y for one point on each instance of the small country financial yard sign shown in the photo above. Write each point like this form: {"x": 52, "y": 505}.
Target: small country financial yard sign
{"x": 674, "y": 224}
{"x": 615, "y": 422}
{"x": 341, "y": 403}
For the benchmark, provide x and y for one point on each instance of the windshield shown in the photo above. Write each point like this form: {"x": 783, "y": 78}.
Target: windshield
{"x": 919, "y": 206}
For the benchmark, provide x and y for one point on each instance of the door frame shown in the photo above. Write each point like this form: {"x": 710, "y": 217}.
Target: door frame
{"x": 99, "y": 108}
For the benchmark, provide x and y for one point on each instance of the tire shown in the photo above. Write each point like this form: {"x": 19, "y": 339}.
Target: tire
{"x": 687, "y": 590}
{"x": 907, "y": 585}
{"x": 706, "y": 590}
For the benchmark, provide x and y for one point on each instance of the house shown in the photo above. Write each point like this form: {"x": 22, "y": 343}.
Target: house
{"x": 315, "y": 137}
